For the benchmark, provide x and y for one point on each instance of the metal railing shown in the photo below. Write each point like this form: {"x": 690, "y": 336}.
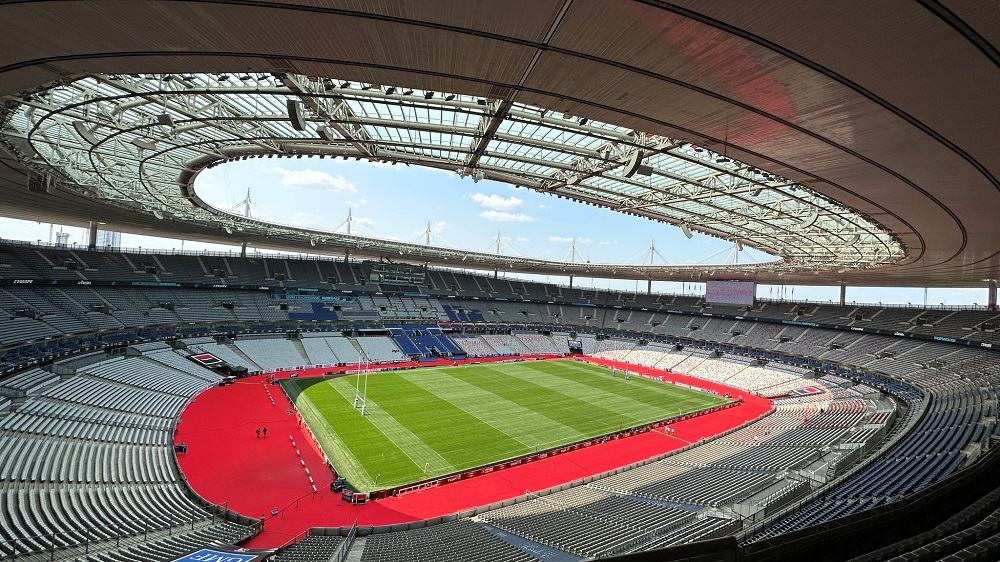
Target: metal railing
{"x": 344, "y": 548}
{"x": 84, "y": 541}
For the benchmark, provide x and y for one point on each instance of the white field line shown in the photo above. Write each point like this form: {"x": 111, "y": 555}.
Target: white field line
{"x": 512, "y": 410}
{"x": 406, "y": 441}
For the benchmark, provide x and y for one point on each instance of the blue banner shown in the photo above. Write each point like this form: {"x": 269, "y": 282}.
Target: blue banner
{"x": 209, "y": 555}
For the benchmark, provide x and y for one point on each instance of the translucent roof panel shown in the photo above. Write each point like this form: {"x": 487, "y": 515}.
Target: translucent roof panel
{"x": 137, "y": 141}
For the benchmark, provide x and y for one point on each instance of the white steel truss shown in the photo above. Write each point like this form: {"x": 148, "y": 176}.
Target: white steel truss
{"x": 139, "y": 142}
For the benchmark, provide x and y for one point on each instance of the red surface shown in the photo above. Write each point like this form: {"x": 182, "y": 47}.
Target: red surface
{"x": 227, "y": 464}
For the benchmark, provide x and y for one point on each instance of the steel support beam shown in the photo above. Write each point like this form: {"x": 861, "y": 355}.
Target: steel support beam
{"x": 91, "y": 235}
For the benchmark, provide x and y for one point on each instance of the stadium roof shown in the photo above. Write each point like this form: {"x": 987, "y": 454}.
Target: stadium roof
{"x": 728, "y": 122}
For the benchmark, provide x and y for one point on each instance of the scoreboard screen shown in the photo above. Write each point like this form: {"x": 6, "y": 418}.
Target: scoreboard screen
{"x": 730, "y": 292}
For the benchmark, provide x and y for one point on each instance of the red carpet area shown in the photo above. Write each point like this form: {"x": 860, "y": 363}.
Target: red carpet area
{"x": 229, "y": 465}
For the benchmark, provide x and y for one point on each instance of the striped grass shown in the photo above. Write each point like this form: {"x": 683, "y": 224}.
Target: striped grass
{"x": 431, "y": 422}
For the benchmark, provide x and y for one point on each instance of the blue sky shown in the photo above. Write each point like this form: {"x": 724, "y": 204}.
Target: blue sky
{"x": 398, "y": 202}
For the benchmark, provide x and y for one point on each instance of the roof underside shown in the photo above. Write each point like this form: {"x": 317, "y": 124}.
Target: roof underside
{"x": 136, "y": 141}
{"x": 869, "y": 167}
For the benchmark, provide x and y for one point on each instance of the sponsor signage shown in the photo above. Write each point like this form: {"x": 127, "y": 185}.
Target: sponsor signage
{"x": 215, "y": 555}
{"x": 314, "y": 298}
{"x": 153, "y": 284}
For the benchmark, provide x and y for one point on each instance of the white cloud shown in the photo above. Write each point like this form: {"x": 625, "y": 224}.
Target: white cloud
{"x": 523, "y": 239}
{"x": 363, "y": 221}
{"x": 496, "y": 202}
{"x": 357, "y": 202}
{"x": 543, "y": 206}
{"x": 567, "y": 239}
{"x": 311, "y": 178}
{"x": 503, "y": 216}
{"x": 608, "y": 242}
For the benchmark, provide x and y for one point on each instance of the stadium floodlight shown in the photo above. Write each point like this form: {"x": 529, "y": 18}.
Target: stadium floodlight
{"x": 345, "y": 84}
{"x": 428, "y": 95}
{"x": 326, "y": 133}
{"x": 408, "y": 93}
{"x": 632, "y": 166}
{"x": 686, "y": 230}
{"x": 449, "y": 97}
{"x": 390, "y": 90}
{"x": 144, "y": 144}
{"x": 296, "y": 114}
{"x": 85, "y": 132}
{"x": 810, "y": 219}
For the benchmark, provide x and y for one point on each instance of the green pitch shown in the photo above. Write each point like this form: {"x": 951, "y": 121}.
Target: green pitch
{"x": 436, "y": 421}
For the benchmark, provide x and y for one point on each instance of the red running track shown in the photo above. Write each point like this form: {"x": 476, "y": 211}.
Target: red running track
{"x": 227, "y": 464}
